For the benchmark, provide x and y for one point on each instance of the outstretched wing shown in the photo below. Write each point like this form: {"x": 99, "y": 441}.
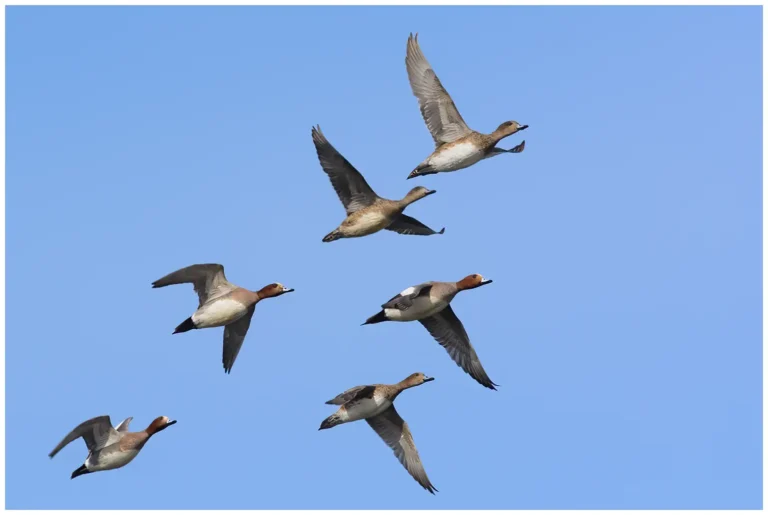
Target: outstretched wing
{"x": 208, "y": 280}
{"x": 437, "y": 108}
{"x": 234, "y": 335}
{"x": 406, "y": 225}
{"x": 395, "y": 433}
{"x": 352, "y": 189}
{"x": 97, "y": 433}
{"x": 447, "y": 329}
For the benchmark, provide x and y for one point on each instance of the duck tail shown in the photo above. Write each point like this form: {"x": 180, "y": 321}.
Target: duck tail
{"x": 79, "y": 472}
{"x": 186, "y": 325}
{"x": 422, "y": 169}
{"x": 333, "y": 420}
{"x": 332, "y": 236}
{"x": 375, "y": 319}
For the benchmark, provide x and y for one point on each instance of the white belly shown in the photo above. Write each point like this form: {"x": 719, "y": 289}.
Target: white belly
{"x": 456, "y": 157}
{"x": 111, "y": 460}
{"x": 366, "y": 408}
{"x": 366, "y": 223}
{"x": 422, "y": 307}
{"x": 218, "y": 313}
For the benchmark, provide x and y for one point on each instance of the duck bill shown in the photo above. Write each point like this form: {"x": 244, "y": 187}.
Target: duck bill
{"x": 485, "y": 281}
{"x": 430, "y": 192}
{"x": 169, "y": 424}
{"x": 428, "y": 379}
{"x": 522, "y": 128}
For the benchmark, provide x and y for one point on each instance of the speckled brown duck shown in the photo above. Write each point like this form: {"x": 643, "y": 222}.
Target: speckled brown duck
{"x": 456, "y": 145}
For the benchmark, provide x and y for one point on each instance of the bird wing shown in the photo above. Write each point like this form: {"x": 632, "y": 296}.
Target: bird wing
{"x": 447, "y": 329}
{"x": 395, "y": 433}
{"x": 97, "y": 433}
{"x": 406, "y": 225}
{"x": 208, "y": 280}
{"x": 358, "y": 392}
{"x": 234, "y": 335}
{"x": 437, "y": 108}
{"x": 405, "y": 298}
{"x": 351, "y": 187}
{"x": 122, "y": 427}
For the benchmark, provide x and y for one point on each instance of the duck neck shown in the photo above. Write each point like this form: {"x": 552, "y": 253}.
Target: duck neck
{"x": 464, "y": 284}
{"x": 256, "y": 296}
{"x": 407, "y": 201}
{"x": 499, "y": 135}
{"x": 404, "y": 385}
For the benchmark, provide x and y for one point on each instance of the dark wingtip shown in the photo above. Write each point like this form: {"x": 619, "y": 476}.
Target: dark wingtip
{"x": 441, "y": 231}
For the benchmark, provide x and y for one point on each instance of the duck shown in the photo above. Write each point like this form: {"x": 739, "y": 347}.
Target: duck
{"x": 221, "y": 303}
{"x": 110, "y": 447}
{"x": 375, "y": 404}
{"x": 367, "y": 213}
{"x": 456, "y": 145}
{"x": 430, "y": 304}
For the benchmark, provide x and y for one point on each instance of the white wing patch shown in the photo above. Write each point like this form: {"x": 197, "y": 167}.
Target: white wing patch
{"x": 408, "y": 291}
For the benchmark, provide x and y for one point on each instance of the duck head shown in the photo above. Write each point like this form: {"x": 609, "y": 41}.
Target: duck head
{"x": 472, "y": 281}
{"x": 416, "y": 379}
{"x": 418, "y": 193}
{"x": 273, "y": 290}
{"x": 159, "y": 424}
{"x": 508, "y": 129}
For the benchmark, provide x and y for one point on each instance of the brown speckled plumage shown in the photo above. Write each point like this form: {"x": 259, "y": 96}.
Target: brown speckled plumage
{"x": 383, "y": 418}
{"x": 445, "y": 123}
{"x": 367, "y": 213}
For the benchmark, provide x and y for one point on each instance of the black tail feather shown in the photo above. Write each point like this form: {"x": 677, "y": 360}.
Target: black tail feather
{"x": 186, "y": 325}
{"x": 79, "y": 472}
{"x": 332, "y": 236}
{"x": 329, "y": 422}
{"x": 422, "y": 169}
{"x": 375, "y": 319}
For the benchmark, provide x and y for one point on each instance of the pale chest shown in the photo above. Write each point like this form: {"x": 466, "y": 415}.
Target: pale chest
{"x": 365, "y": 408}
{"x": 365, "y": 222}
{"x": 219, "y": 312}
{"x": 457, "y": 156}
{"x": 110, "y": 459}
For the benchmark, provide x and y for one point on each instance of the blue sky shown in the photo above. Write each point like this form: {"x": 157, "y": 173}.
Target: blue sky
{"x": 623, "y": 324}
